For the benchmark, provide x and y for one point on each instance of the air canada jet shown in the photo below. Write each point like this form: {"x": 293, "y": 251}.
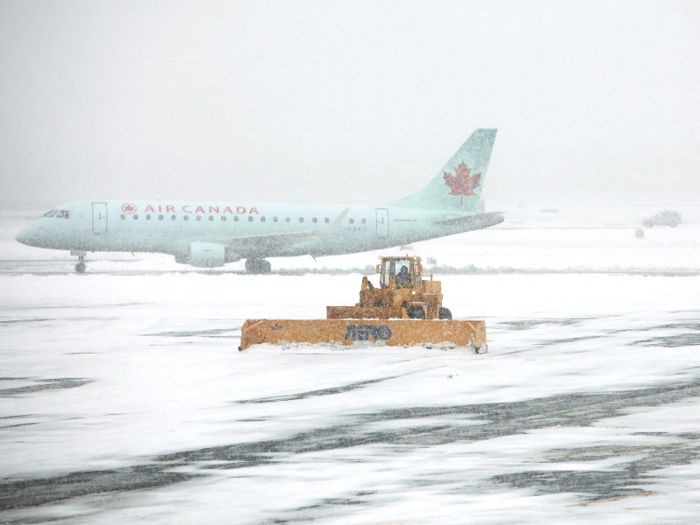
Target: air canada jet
{"x": 211, "y": 234}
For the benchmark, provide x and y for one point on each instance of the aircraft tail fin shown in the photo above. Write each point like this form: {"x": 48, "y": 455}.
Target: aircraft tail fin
{"x": 458, "y": 185}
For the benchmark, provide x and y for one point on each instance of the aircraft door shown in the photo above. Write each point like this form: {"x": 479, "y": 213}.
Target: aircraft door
{"x": 382, "y": 222}
{"x": 99, "y": 217}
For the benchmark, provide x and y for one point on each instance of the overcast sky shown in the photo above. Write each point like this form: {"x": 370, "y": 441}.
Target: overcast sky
{"x": 346, "y": 101}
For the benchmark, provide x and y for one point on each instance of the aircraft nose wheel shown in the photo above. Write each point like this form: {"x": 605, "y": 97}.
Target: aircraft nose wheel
{"x": 81, "y": 266}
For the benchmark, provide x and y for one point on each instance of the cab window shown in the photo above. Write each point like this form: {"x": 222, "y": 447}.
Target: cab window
{"x": 402, "y": 272}
{"x": 63, "y": 214}
{"x": 50, "y": 213}
{"x": 399, "y": 269}
{"x": 387, "y": 272}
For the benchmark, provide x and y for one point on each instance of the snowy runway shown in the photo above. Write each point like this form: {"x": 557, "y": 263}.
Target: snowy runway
{"x": 123, "y": 397}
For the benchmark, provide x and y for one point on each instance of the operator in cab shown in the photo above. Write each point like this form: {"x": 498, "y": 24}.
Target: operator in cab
{"x": 403, "y": 278}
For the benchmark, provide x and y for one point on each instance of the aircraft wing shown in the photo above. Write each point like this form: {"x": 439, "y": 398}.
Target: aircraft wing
{"x": 475, "y": 222}
{"x": 276, "y": 242}
{"x": 270, "y": 243}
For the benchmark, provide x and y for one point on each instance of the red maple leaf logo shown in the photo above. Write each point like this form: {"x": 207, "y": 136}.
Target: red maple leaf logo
{"x": 128, "y": 208}
{"x": 462, "y": 183}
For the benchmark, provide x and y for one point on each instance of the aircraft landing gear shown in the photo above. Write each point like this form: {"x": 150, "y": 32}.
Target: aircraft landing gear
{"x": 257, "y": 266}
{"x": 81, "y": 266}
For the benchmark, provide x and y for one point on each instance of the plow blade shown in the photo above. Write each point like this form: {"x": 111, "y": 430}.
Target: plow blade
{"x": 380, "y": 331}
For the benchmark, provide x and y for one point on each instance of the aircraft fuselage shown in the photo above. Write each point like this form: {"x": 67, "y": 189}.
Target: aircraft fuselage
{"x": 171, "y": 227}
{"x": 215, "y": 233}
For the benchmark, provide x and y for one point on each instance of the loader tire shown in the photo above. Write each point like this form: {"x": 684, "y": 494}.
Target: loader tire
{"x": 415, "y": 312}
{"x": 444, "y": 313}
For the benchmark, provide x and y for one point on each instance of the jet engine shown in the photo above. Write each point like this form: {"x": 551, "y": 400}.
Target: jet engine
{"x": 206, "y": 255}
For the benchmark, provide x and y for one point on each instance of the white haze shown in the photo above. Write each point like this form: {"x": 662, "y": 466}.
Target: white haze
{"x": 353, "y": 101}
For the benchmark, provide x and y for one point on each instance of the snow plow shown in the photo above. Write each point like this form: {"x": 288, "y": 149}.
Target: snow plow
{"x": 404, "y": 310}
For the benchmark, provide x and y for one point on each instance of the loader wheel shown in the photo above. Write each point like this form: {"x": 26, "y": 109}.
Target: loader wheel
{"x": 444, "y": 313}
{"x": 415, "y": 312}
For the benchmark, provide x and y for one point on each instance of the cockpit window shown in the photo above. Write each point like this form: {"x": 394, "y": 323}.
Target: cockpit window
{"x": 50, "y": 213}
{"x": 63, "y": 214}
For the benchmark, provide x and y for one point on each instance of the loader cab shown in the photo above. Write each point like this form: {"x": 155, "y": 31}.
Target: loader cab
{"x": 406, "y": 272}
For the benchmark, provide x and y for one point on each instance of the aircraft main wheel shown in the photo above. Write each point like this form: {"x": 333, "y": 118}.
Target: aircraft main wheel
{"x": 258, "y": 266}
{"x": 80, "y": 267}
{"x": 444, "y": 313}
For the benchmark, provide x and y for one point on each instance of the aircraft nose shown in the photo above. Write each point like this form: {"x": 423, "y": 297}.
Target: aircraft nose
{"x": 26, "y": 236}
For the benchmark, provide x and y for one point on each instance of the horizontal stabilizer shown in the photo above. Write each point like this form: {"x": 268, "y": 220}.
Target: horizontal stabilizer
{"x": 475, "y": 222}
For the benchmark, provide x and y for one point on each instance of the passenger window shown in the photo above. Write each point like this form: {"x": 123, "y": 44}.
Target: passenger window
{"x": 287, "y": 219}
{"x": 50, "y": 213}
{"x": 160, "y": 217}
{"x": 250, "y": 218}
{"x": 173, "y": 217}
{"x": 364, "y": 221}
{"x": 326, "y": 220}
{"x": 148, "y": 217}
{"x": 211, "y": 217}
{"x": 352, "y": 221}
{"x": 63, "y": 214}
{"x": 262, "y": 219}
{"x": 199, "y": 217}
{"x": 274, "y": 219}
{"x": 135, "y": 216}
{"x": 301, "y": 219}
{"x": 186, "y": 218}
{"x": 223, "y": 218}
{"x": 235, "y": 219}
{"x": 123, "y": 216}
{"x": 314, "y": 219}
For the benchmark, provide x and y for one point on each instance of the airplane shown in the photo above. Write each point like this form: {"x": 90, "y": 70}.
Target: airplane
{"x": 212, "y": 234}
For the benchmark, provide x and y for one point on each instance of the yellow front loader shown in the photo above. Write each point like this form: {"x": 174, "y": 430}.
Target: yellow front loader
{"x": 402, "y": 294}
{"x": 404, "y": 309}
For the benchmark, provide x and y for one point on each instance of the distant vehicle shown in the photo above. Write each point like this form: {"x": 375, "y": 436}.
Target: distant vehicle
{"x": 211, "y": 234}
{"x": 664, "y": 218}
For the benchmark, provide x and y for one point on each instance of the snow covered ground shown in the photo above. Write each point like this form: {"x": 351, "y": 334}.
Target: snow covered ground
{"x": 123, "y": 397}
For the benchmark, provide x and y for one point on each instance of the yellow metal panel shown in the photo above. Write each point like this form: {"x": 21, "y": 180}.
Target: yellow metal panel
{"x": 432, "y": 286}
{"x": 347, "y": 332}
